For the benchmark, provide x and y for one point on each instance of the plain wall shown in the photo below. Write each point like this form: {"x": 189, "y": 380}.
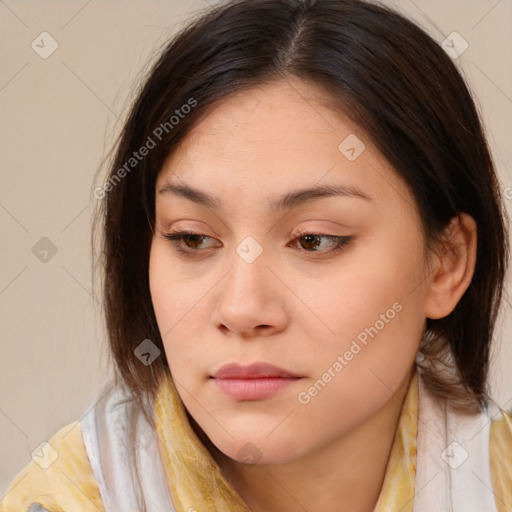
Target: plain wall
{"x": 60, "y": 116}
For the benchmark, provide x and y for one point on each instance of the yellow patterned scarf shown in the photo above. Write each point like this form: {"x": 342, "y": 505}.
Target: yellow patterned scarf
{"x": 196, "y": 482}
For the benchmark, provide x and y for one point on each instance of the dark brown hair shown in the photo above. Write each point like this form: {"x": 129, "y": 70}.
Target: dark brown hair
{"x": 391, "y": 79}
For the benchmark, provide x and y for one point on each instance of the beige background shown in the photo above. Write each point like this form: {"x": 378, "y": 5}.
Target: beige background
{"x": 59, "y": 116}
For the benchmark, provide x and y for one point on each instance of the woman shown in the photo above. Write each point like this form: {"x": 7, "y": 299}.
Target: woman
{"x": 304, "y": 248}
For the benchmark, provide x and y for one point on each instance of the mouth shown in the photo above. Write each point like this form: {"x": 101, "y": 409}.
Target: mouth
{"x": 254, "y": 382}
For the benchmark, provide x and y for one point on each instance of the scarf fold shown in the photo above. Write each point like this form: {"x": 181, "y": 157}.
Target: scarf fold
{"x": 454, "y": 465}
{"x": 195, "y": 480}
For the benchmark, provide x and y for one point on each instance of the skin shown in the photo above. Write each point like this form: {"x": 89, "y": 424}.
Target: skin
{"x": 294, "y": 307}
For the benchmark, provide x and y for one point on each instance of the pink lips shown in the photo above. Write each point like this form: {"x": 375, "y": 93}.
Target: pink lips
{"x": 254, "y": 382}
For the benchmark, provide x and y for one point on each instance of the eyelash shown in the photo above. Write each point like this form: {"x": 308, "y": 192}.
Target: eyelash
{"x": 176, "y": 238}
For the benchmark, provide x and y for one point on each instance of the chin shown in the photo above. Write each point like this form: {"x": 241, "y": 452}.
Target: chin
{"x": 257, "y": 451}
{"x": 250, "y": 442}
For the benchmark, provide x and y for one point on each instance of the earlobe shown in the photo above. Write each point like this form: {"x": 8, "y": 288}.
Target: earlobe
{"x": 453, "y": 265}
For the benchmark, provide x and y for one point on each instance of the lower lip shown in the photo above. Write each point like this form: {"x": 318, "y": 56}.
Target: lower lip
{"x": 254, "y": 389}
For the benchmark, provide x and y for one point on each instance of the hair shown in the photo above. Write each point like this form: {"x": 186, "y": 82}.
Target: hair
{"x": 390, "y": 78}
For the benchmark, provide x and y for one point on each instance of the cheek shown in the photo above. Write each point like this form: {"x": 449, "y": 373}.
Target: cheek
{"x": 372, "y": 323}
{"x": 166, "y": 296}
{"x": 179, "y": 311}
{"x": 362, "y": 294}
{"x": 357, "y": 371}
{"x": 171, "y": 293}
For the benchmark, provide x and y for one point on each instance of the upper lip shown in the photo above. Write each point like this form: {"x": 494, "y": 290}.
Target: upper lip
{"x": 252, "y": 371}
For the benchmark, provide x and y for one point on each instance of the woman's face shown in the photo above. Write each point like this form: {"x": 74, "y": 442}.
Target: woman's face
{"x": 329, "y": 287}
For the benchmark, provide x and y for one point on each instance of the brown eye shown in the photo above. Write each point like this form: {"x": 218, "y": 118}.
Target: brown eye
{"x": 191, "y": 241}
{"x": 186, "y": 241}
{"x": 312, "y": 242}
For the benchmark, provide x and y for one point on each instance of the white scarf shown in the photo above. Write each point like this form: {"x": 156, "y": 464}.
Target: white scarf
{"x": 453, "y": 467}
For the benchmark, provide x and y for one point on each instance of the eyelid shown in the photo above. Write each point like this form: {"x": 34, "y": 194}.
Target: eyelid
{"x": 176, "y": 233}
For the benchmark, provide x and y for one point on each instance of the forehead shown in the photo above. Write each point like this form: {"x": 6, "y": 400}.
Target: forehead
{"x": 288, "y": 112}
{"x": 275, "y": 138}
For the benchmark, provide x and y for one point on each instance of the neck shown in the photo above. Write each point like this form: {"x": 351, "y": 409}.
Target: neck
{"x": 349, "y": 471}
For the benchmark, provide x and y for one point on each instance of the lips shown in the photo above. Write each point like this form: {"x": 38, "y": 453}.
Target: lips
{"x": 254, "y": 382}
{"x": 253, "y": 371}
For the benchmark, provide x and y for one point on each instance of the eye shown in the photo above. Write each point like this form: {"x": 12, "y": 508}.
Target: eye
{"x": 186, "y": 242}
{"x": 310, "y": 242}
{"x": 189, "y": 243}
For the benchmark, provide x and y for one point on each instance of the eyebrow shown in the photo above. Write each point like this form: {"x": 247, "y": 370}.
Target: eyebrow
{"x": 286, "y": 201}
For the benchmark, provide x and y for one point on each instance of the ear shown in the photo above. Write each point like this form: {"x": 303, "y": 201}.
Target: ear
{"x": 452, "y": 266}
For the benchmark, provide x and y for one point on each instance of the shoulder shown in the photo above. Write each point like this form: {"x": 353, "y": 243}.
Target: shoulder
{"x": 500, "y": 447}
{"x": 59, "y": 478}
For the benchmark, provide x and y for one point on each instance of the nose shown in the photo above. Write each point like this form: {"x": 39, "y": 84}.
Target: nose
{"x": 251, "y": 300}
